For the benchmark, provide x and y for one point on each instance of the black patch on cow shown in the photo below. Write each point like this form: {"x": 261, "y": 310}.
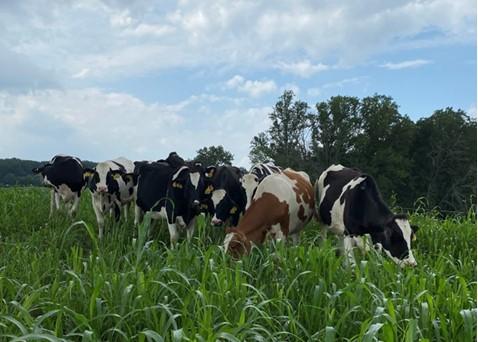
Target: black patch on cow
{"x": 63, "y": 170}
{"x": 228, "y": 178}
{"x": 365, "y": 212}
{"x": 156, "y": 189}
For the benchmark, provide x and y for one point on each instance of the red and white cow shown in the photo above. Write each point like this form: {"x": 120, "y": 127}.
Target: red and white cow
{"x": 281, "y": 206}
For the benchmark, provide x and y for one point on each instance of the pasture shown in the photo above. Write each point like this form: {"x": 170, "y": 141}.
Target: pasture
{"x": 58, "y": 282}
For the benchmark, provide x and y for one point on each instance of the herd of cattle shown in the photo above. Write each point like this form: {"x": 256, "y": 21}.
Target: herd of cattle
{"x": 267, "y": 201}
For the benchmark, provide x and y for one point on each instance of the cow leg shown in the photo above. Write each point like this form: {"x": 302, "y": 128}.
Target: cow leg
{"x": 57, "y": 200}
{"x": 348, "y": 242}
{"x": 126, "y": 208}
{"x": 362, "y": 243}
{"x": 138, "y": 215}
{"x": 190, "y": 229}
{"x": 99, "y": 215}
{"x": 173, "y": 234}
{"x": 52, "y": 203}
{"x": 295, "y": 239}
{"x": 74, "y": 206}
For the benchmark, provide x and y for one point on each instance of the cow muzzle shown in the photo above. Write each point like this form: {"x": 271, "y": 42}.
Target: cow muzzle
{"x": 102, "y": 188}
{"x": 215, "y": 221}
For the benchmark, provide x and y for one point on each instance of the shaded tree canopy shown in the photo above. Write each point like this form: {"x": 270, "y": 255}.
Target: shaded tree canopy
{"x": 214, "y": 155}
{"x": 434, "y": 158}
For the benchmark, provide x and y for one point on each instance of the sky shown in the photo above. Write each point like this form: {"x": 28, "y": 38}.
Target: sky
{"x": 103, "y": 79}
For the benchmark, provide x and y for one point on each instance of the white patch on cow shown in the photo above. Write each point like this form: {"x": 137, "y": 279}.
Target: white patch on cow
{"x": 407, "y": 232}
{"x": 227, "y": 240}
{"x": 218, "y": 196}
{"x": 285, "y": 190}
{"x": 176, "y": 175}
{"x": 66, "y": 193}
{"x": 337, "y": 212}
{"x": 249, "y": 182}
{"x": 194, "y": 176}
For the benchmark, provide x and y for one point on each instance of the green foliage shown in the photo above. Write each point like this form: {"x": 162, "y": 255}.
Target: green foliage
{"x": 57, "y": 281}
{"x": 214, "y": 155}
{"x": 434, "y": 159}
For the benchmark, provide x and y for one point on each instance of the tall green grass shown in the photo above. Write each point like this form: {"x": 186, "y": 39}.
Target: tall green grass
{"x": 58, "y": 282}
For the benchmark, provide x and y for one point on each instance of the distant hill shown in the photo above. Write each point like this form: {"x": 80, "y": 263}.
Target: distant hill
{"x": 14, "y": 171}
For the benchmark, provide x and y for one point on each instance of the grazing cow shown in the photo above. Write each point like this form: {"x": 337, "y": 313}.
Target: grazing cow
{"x": 282, "y": 205}
{"x": 112, "y": 186}
{"x": 170, "y": 189}
{"x": 227, "y": 196}
{"x": 256, "y": 174}
{"x": 350, "y": 205}
{"x": 64, "y": 174}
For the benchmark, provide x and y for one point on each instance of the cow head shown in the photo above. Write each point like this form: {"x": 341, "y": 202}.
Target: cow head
{"x": 236, "y": 243}
{"x": 103, "y": 179}
{"x": 249, "y": 182}
{"x": 224, "y": 207}
{"x": 42, "y": 169}
{"x": 396, "y": 240}
{"x": 186, "y": 184}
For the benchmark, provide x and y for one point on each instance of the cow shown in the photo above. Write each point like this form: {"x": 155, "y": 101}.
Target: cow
{"x": 227, "y": 197}
{"x": 112, "y": 186}
{"x": 350, "y": 205}
{"x": 64, "y": 174}
{"x": 281, "y": 206}
{"x": 170, "y": 189}
{"x": 256, "y": 174}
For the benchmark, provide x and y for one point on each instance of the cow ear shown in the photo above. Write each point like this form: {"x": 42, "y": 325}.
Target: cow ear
{"x": 87, "y": 173}
{"x": 37, "y": 170}
{"x": 209, "y": 189}
{"x": 180, "y": 177}
{"x": 130, "y": 177}
{"x": 116, "y": 174}
{"x": 210, "y": 171}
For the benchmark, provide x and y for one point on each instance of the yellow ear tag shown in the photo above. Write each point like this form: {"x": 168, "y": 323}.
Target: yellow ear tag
{"x": 177, "y": 185}
{"x": 414, "y": 238}
{"x": 87, "y": 174}
{"x": 210, "y": 174}
{"x": 233, "y": 210}
{"x": 116, "y": 176}
{"x": 209, "y": 189}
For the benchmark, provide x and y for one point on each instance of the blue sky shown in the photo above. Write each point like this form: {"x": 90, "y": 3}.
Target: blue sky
{"x": 101, "y": 79}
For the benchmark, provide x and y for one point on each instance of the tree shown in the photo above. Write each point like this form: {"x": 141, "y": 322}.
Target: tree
{"x": 214, "y": 155}
{"x": 286, "y": 142}
{"x": 444, "y": 156}
{"x": 334, "y": 130}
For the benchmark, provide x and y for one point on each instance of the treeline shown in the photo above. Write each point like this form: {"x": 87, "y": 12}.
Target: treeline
{"x": 433, "y": 159}
{"x": 14, "y": 171}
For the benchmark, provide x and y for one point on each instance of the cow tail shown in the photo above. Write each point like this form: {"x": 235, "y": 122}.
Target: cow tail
{"x": 317, "y": 200}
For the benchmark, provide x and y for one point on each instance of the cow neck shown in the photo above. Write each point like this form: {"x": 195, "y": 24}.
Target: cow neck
{"x": 261, "y": 215}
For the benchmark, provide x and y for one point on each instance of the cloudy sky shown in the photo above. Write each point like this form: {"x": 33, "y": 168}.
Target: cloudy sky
{"x": 101, "y": 79}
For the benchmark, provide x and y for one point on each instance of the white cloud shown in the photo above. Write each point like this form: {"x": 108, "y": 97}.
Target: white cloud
{"x": 98, "y": 125}
{"x": 406, "y": 64}
{"x": 252, "y": 88}
{"x": 303, "y": 68}
{"x": 82, "y": 73}
{"x": 114, "y": 39}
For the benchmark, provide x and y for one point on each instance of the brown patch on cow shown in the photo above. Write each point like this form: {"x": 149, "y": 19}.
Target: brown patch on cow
{"x": 263, "y": 213}
{"x": 301, "y": 214}
{"x": 304, "y": 190}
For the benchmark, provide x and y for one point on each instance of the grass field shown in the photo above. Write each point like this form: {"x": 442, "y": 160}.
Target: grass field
{"x": 57, "y": 282}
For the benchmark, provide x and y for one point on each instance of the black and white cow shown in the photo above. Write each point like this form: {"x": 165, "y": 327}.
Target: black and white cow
{"x": 112, "y": 186}
{"x": 256, "y": 174}
{"x": 170, "y": 189}
{"x": 227, "y": 197}
{"x": 64, "y": 174}
{"x": 349, "y": 203}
